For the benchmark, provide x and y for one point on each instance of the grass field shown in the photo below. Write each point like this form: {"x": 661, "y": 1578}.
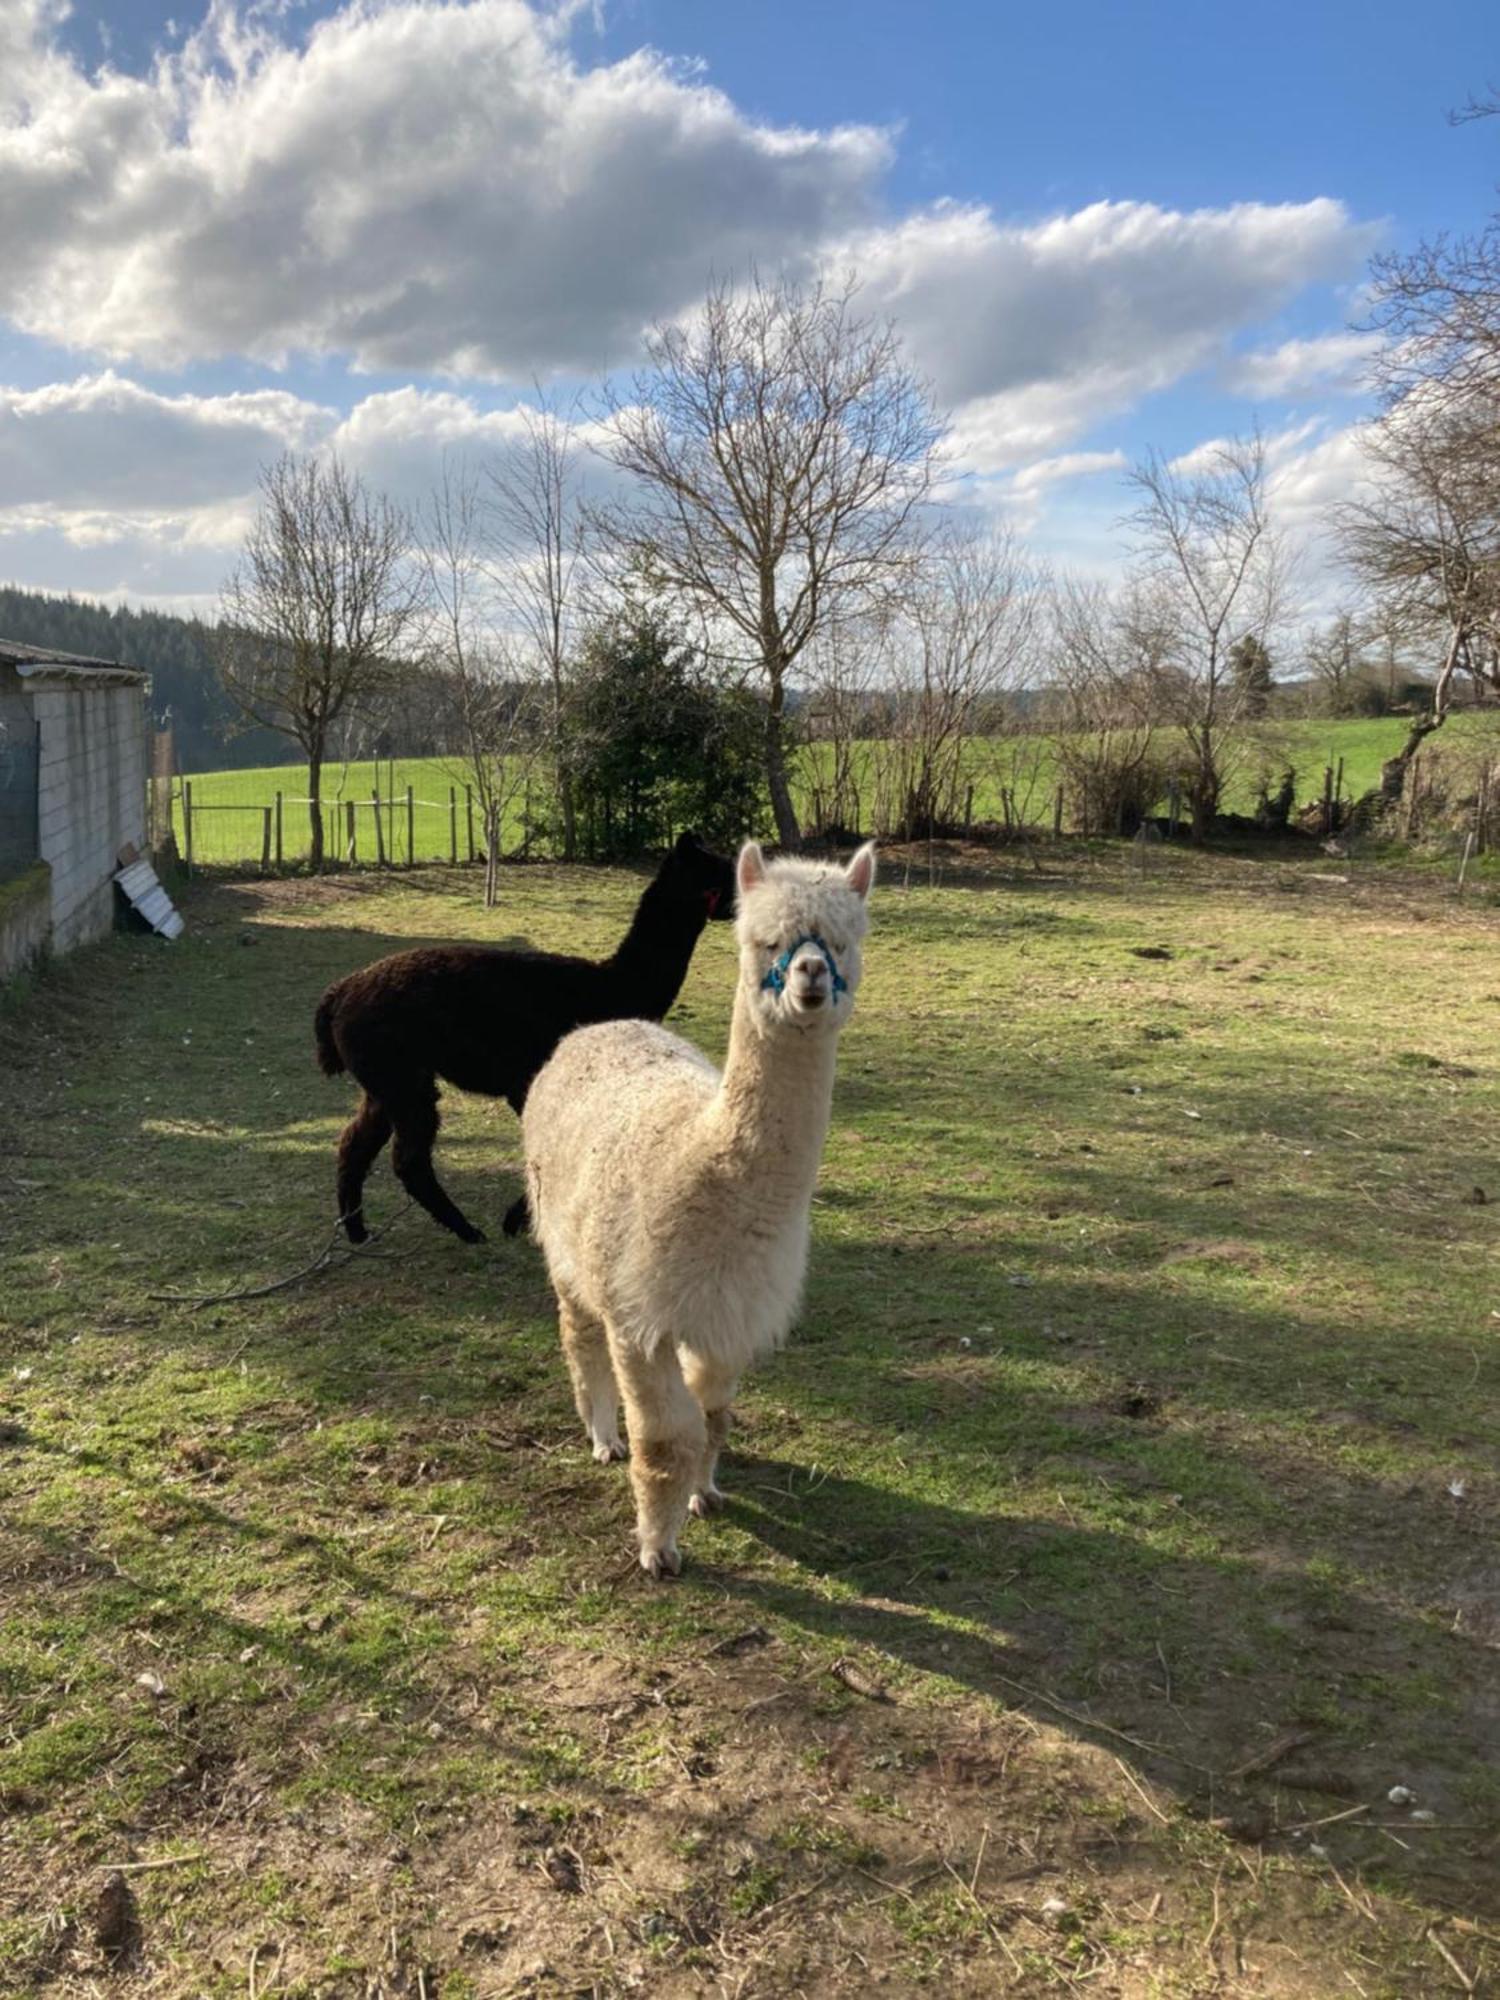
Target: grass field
{"x": 1118, "y": 1529}
{"x": 223, "y": 836}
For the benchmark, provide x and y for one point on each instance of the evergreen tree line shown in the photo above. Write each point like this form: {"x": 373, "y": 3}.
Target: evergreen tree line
{"x": 178, "y": 653}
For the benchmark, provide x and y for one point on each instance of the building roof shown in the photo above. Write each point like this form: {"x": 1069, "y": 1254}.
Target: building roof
{"x": 46, "y": 661}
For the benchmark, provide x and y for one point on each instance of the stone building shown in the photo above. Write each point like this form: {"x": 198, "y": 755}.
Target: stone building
{"x": 72, "y": 795}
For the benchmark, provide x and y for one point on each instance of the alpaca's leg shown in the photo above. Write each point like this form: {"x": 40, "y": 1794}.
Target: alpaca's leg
{"x": 595, "y": 1390}
{"x": 666, "y": 1446}
{"x": 359, "y": 1146}
{"x": 414, "y": 1114}
{"x": 714, "y": 1387}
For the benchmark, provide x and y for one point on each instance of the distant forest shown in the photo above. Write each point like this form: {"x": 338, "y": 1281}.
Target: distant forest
{"x": 176, "y": 652}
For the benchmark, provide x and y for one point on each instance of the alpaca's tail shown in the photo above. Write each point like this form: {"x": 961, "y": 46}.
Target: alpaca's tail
{"x": 329, "y": 1060}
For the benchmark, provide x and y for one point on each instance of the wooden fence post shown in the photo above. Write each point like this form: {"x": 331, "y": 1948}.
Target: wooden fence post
{"x": 352, "y": 825}
{"x": 1327, "y": 800}
{"x": 379, "y": 832}
{"x": 453, "y": 826}
{"x": 280, "y": 852}
{"x": 187, "y": 820}
{"x": 411, "y": 829}
{"x": 469, "y": 815}
{"x": 265, "y": 841}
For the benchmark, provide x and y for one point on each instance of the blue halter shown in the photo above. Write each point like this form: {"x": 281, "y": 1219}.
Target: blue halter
{"x": 775, "y": 979}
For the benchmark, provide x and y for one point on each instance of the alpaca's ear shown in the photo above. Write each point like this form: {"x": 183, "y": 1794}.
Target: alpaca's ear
{"x": 860, "y": 874}
{"x": 751, "y": 869}
{"x": 688, "y": 843}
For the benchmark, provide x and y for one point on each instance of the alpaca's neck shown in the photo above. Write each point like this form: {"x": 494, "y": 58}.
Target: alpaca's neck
{"x": 770, "y": 1114}
{"x": 654, "y": 954}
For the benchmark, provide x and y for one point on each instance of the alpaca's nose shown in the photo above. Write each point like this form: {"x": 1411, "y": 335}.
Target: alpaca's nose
{"x": 810, "y": 980}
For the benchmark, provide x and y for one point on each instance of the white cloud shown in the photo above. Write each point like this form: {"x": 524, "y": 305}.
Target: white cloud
{"x": 1033, "y": 333}
{"x": 136, "y": 483}
{"x": 428, "y": 187}
{"x": 1334, "y": 363}
{"x": 103, "y": 442}
{"x": 443, "y": 188}
{"x": 1044, "y": 472}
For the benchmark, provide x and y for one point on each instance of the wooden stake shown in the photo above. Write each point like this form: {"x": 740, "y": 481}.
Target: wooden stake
{"x": 353, "y": 830}
{"x": 469, "y": 816}
{"x": 379, "y": 832}
{"x": 265, "y": 841}
{"x": 1463, "y": 866}
{"x": 187, "y": 820}
{"x": 280, "y": 862}
{"x": 411, "y": 829}
{"x": 453, "y": 826}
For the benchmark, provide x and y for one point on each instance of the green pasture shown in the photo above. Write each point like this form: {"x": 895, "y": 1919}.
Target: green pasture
{"x": 1115, "y": 1535}
{"x": 230, "y": 806}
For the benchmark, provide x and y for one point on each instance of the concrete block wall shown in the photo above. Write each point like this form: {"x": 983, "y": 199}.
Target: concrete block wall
{"x": 91, "y": 799}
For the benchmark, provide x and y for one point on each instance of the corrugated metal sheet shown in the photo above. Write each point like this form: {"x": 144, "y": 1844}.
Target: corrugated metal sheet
{"x": 138, "y": 880}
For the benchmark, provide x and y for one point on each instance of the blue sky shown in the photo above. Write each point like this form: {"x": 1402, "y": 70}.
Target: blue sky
{"x": 1099, "y": 227}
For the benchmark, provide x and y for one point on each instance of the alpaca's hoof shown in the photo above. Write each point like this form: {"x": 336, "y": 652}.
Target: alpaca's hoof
{"x": 516, "y": 1218}
{"x": 355, "y": 1230}
{"x": 469, "y": 1234}
{"x": 662, "y": 1562}
{"x": 708, "y": 1500}
{"x": 608, "y": 1451}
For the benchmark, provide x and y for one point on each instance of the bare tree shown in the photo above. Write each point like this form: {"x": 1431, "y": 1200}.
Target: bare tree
{"x": 837, "y": 725}
{"x": 1337, "y": 663}
{"x": 1426, "y": 537}
{"x": 492, "y": 698}
{"x": 314, "y": 618}
{"x": 536, "y": 544}
{"x": 782, "y": 451}
{"x": 1106, "y": 660}
{"x": 1427, "y": 534}
{"x": 1210, "y": 573}
{"x": 954, "y": 648}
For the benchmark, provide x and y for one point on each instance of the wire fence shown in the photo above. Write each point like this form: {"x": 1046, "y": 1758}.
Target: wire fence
{"x": 385, "y": 830}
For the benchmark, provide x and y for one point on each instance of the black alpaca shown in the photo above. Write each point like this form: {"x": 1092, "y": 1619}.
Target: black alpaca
{"x": 486, "y": 1019}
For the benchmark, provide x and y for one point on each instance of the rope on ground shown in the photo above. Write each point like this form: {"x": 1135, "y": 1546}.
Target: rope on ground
{"x": 334, "y": 1256}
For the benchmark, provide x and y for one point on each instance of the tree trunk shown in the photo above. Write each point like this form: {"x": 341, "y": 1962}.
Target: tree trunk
{"x": 569, "y": 814}
{"x": 1393, "y": 771}
{"x": 491, "y": 855}
{"x": 1205, "y": 801}
{"x": 315, "y": 810}
{"x": 787, "y": 830}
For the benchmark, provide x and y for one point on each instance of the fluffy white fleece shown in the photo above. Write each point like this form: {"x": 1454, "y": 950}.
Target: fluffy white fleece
{"x": 672, "y": 1203}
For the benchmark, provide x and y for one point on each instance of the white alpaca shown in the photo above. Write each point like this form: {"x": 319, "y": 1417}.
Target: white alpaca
{"x": 672, "y": 1204}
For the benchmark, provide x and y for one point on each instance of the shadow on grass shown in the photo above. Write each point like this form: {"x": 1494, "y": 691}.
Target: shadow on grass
{"x": 1230, "y": 1580}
